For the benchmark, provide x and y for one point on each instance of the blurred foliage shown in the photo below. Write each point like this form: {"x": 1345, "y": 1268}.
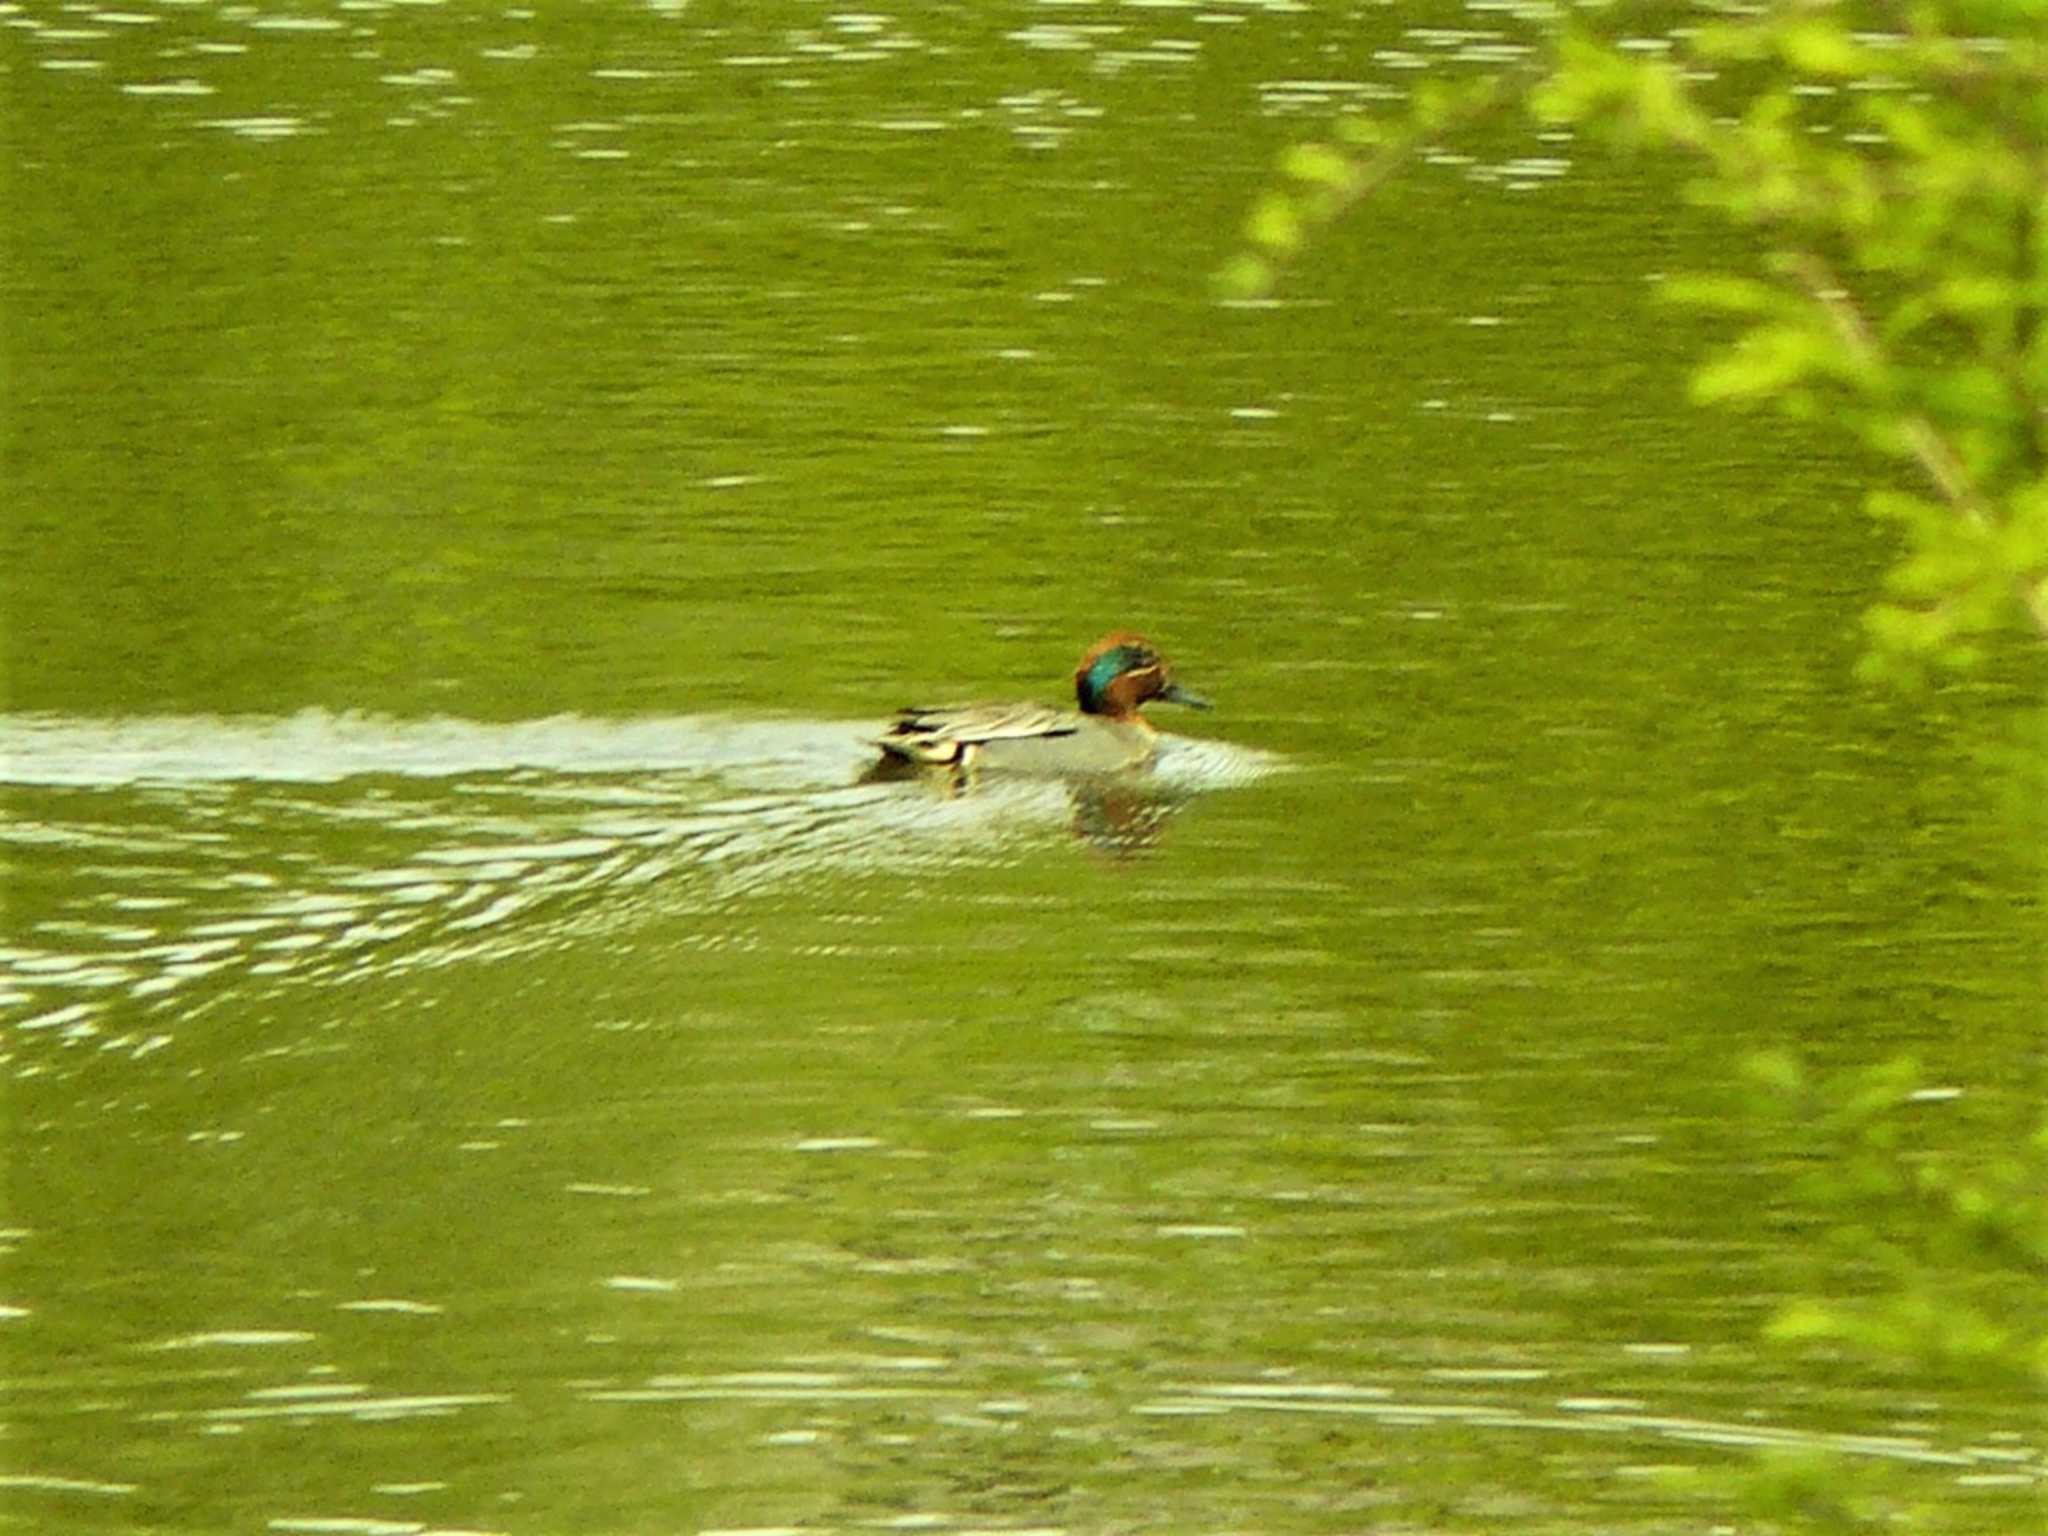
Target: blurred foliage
{"x": 1953, "y": 1247}
{"x": 1890, "y": 159}
{"x": 1946, "y": 1253}
{"x": 1893, "y": 159}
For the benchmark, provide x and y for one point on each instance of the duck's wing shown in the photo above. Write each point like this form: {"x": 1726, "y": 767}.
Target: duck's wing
{"x": 937, "y": 733}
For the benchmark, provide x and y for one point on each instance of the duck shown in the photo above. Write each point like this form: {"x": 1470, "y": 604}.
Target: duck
{"x": 1106, "y": 735}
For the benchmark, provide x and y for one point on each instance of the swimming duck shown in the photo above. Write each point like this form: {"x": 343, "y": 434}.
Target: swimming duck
{"x": 1119, "y": 672}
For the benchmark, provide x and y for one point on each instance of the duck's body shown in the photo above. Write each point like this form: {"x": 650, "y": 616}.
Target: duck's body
{"x": 1028, "y": 738}
{"x": 1106, "y": 734}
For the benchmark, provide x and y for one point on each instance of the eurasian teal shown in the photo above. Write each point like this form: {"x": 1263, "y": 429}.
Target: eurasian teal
{"x": 1108, "y": 735}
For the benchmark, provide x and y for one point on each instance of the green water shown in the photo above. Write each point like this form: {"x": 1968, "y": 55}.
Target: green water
{"x": 476, "y": 1061}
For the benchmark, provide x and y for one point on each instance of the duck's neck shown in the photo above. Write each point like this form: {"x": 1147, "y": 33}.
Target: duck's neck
{"x": 1119, "y": 701}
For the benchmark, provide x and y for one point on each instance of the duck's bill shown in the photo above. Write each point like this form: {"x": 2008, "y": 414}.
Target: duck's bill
{"x": 1173, "y": 693}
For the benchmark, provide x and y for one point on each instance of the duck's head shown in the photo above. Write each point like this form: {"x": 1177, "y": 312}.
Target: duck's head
{"x": 1120, "y": 672}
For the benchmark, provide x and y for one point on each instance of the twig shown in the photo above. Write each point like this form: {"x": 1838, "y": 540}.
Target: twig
{"x": 1935, "y": 453}
{"x": 1937, "y": 456}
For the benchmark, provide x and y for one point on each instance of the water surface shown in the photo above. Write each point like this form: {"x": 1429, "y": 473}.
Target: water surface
{"x": 477, "y": 1060}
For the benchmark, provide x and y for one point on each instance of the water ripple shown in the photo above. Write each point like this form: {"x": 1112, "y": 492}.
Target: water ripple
{"x": 464, "y": 841}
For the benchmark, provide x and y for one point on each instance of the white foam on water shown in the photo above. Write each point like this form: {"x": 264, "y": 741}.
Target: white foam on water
{"x": 318, "y": 747}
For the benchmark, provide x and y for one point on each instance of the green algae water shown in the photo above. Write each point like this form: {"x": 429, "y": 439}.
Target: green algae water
{"x": 477, "y": 1060}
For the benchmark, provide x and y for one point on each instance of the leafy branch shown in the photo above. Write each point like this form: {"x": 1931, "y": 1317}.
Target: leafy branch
{"x": 1961, "y": 1244}
{"x": 1900, "y": 181}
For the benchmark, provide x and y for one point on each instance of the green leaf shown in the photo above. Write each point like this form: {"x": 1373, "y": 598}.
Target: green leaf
{"x": 1804, "y": 1322}
{"x": 1734, "y": 295}
{"x": 1778, "y": 1072}
{"x": 1244, "y": 276}
{"x": 1896, "y": 506}
{"x": 1771, "y": 360}
{"x": 1977, "y": 294}
{"x": 1321, "y": 166}
{"x": 2025, "y": 541}
{"x": 1361, "y": 129}
{"x": 1819, "y": 46}
{"x": 1275, "y": 225}
{"x": 1972, "y": 392}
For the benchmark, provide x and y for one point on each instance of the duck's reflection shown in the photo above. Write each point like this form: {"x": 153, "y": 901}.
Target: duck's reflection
{"x": 1123, "y": 818}
{"x": 1121, "y": 814}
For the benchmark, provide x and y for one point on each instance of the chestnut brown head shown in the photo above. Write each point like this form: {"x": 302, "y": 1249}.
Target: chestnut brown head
{"x": 1122, "y": 671}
